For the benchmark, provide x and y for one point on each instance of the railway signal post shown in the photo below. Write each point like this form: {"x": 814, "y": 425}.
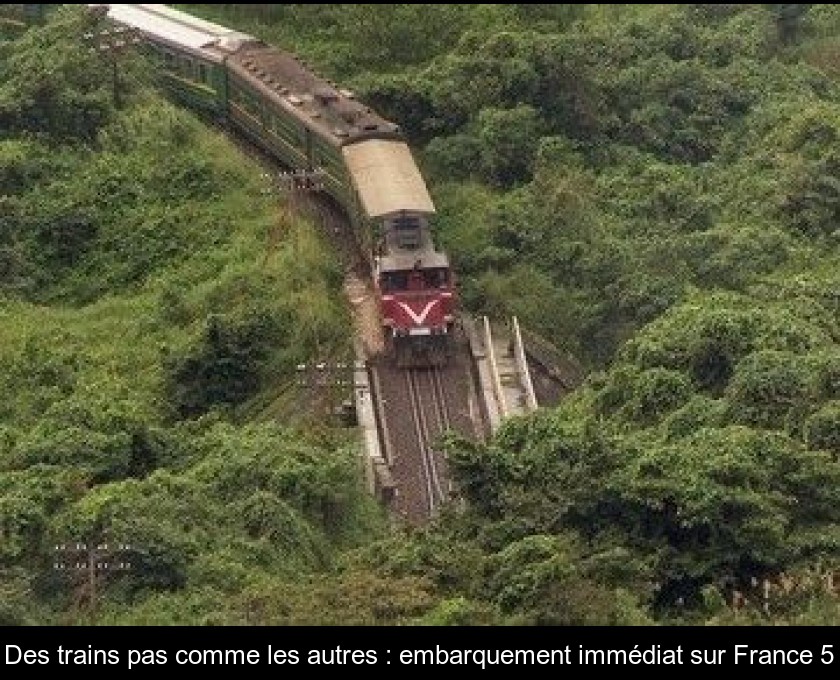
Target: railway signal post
{"x": 88, "y": 564}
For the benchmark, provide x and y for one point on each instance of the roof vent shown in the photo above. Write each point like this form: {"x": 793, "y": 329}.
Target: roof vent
{"x": 325, "y": 95}
{"x": 349, "y": 94}
{"x": 339, "y": 132}
{"x": 295, "y": 100}
{"x": 231, "y": 43}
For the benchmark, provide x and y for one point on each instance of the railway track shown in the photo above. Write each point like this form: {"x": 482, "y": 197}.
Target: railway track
{"x": 416, "y": 408}
{"x": 430, "y": 415}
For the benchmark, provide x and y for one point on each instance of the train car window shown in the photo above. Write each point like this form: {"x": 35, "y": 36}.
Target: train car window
{"x": 392, "y": 281}
{"x": 328, "y": 161}
{"x": 436, "y": 278}
{"x": 406, "y": 223}
{"x": 416, "y": 280}
{"x": 288, "y": 130}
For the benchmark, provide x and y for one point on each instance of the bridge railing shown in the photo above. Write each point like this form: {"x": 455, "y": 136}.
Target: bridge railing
{"x": 495, "y": 378}
{"x": 522, "y": 369}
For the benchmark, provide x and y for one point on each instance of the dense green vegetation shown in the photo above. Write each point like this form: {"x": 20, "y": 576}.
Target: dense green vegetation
{"x": 155, "y": 303}
{"x": 654, "y": 189}
{"x": 651, "y": 187}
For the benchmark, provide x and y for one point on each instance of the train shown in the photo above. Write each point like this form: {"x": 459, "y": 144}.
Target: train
{"x": 317, "y": 129}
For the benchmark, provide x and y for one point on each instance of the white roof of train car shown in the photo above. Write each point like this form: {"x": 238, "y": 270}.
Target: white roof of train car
{"x": 172, "y": 26}
{"x": 386, "y": 177}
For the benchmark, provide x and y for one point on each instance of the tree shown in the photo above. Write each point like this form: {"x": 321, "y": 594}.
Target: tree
{"x": 508, "y": 141}
{"x": 401, "y": 33}
{"x": 352, "y": 598}
{"x": 543, "y": 580}
{"x": 822, "y": 429}
{"x": 727, "y": 504}
{"x": 52, "y": 84}
{"x": 788, "y": 20}
{"x": 223, "y": 369}
{"x": 770, "y": 389}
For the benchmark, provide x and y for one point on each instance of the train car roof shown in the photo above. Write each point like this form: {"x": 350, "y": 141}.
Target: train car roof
{"x": 177, "y": 28}
{"x": 378, "y": 160}
{"x": 386, "y": 178}
{"x": 334, "y": 114}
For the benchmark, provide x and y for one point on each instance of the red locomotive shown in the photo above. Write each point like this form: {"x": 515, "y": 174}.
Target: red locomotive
{"x": 416, "y": 292}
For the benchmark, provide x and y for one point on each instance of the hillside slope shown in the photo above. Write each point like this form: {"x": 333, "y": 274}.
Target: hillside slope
{"x": 154, "y": 299}
{"x": 654, "y": 188}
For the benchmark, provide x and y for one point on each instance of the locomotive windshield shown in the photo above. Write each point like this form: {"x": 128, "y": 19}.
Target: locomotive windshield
{"x": 414, "y": 279}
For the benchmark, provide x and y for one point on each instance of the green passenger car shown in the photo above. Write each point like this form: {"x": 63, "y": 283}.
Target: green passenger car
{"x": 193, "y": 80}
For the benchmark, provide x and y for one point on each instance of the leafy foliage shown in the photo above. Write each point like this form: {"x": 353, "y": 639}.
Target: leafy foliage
{"x": 651, "y": 187}
{"x": 151, "y": 297}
